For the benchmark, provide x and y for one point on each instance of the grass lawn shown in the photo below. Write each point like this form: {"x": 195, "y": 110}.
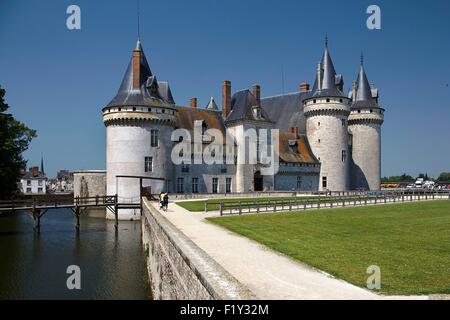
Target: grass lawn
{"x": 409, "y": 242}
{"x": 199, "y": 205}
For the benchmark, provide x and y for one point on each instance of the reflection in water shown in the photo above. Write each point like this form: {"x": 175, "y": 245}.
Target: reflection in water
{"x": 34, "y": 266}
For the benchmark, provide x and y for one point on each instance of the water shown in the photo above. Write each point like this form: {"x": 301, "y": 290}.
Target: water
{"x": 34, "y": 266}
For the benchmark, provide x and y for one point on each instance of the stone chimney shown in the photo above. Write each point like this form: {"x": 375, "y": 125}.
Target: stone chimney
{"x": 294, "y": 130}
{"x": 256, "y": 90}
{"x": 226, "y": 98}
{"x": 34, "y": 171}
{"x": 193, "y": 102}
{"x": 137, "y": 69}
{"x": 304, "y": 87}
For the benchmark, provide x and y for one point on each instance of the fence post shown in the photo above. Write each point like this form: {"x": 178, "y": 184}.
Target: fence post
{"x": 220, "y": 208}
{"x": 240, "y": 207}
{"x": 206, "y": 206}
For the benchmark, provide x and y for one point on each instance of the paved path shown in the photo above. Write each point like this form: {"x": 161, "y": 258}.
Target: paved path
{"x": 268, "y": 274}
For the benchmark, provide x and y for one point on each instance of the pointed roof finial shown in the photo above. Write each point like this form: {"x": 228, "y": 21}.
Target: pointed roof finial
{"x": 362, "y": 58}
{"x": 326, "y": 40}
{"x": 138, "y": 21}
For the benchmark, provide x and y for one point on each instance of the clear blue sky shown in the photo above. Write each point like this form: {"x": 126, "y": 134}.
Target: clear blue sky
{"x": 58, "y": 80}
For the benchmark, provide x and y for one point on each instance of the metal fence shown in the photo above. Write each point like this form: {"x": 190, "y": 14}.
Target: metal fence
{"x": 325, "y": 201}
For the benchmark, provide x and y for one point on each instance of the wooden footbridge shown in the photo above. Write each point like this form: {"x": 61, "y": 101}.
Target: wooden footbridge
{"x": 39, "y": 206}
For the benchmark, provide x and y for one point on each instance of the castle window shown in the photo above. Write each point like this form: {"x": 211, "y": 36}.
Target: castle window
{"x": 154, "y": 138}
{"x": 319, "y": 140}
{"x": 120, "y": 109}
{"x": 344, "y": 155}
{"x": 215, "y": 185}
{"x": 148, "y": 164}
{"x": 314, "y": 101}
{"x": 204, "y": 128}
{"x": 340, "y": 100}
{"x": 324, "y": 182}
{"x": 299, "y": 182}
{"x": 371, "y": 110}
{"x": 318, "y": 124}
{"x": 180, "y": 185}
{"x": 343, "y": 122}
{"x": 194, "y": 185}
{"x": 359, "y": 111}
{"x": 134, "y": 108}
{"x": 328, "y": 100}
{"x": 163, "y": 111}
{"x": 228, "y": 185}
{"x": 149, "y": 109}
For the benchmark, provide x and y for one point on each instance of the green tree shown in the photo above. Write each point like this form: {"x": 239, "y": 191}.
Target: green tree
{"x": 444, "y": 176}
{"x": 14, "y": 140}
{"x": 403, "y": 178}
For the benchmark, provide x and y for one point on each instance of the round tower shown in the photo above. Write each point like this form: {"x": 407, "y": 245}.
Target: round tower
{"x": 365, "y": 122}
{"x": 326, "y": 112}
{"x": 139, "y": 122}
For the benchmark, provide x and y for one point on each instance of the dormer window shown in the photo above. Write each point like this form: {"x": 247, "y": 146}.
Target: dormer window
{"x": 257, "y": 112}
{"x": 293, "y": 146}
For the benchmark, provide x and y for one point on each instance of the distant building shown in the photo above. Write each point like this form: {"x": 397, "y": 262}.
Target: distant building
{"x": 33, "y": 181}
{"x": 63, "y": 182}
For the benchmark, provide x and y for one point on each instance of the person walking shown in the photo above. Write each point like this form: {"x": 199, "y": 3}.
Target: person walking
{"x": 161, "y": 201}
{"x": 166, "y": 201}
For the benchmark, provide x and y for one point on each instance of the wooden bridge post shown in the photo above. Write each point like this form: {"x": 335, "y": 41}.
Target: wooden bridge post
{"x": 36, "y": 217}
{"x": 116, "y": 211}
{"x": 77, "y": 214}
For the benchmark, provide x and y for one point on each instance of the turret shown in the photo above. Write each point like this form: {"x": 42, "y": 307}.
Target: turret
{"x": 139, "y": 121}
{"x": 326, "y": 112}
{"x": 365, "y": 122}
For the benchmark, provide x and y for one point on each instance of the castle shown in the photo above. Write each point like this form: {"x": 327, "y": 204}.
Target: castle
{"x": 327, "y": 140}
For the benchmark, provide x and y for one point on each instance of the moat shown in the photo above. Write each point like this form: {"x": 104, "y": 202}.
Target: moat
{"x": 34, "y": 266}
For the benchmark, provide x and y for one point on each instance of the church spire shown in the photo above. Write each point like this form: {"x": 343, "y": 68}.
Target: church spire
{"x": 42, "y": 165}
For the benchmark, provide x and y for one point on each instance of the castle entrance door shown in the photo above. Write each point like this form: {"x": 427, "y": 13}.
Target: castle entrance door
{"x": 257, "y": 181}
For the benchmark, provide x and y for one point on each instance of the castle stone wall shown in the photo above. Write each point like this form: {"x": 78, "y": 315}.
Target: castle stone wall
{"x": 366, "y": 150}
{"x": 327, "y": 132}
{"x": 179, "y": 269}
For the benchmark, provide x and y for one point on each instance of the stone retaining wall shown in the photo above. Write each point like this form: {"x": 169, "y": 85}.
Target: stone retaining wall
{"x": 179, "y": 269}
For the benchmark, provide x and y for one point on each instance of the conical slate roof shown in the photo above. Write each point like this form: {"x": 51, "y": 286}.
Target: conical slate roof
{"x": 212, "y": 105}
{"x": 149, "y": 87}
{"x": 363, "y": 91}
{"x": 329, "y": 88}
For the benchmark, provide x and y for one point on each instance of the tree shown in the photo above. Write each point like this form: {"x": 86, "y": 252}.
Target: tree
{"x": 444, "y": 176}
{"x": 403, "y": 178}
{"x": 15, "y": 138}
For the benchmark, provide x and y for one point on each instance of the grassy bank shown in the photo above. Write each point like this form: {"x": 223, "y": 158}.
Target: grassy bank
{"x": 409, "y": 242}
